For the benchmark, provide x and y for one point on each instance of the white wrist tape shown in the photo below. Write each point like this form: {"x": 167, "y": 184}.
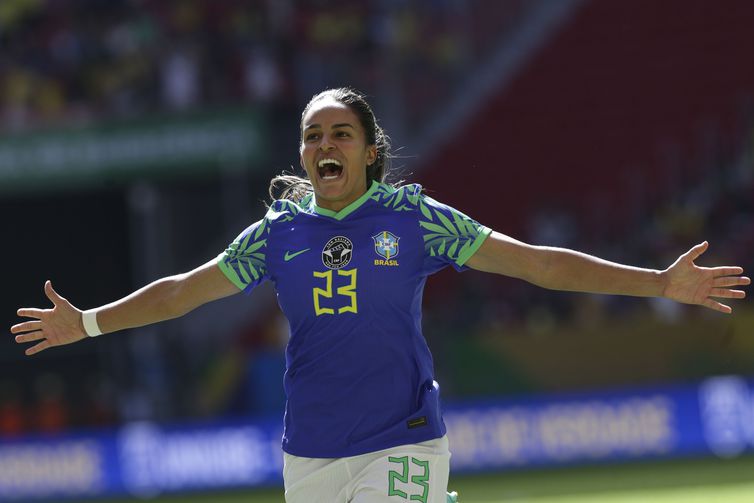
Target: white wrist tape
{"x": 89, "y": 319}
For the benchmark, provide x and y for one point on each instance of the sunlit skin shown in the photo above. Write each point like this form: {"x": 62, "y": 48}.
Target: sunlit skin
{"x": 331, "y": 130}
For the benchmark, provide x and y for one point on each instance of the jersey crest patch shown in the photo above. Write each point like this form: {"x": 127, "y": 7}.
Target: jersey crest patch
{"x": 386, "y": 245}
{"x": 337, "y": 252}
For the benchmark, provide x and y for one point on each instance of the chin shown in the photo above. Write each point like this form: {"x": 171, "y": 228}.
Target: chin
{"x": 333, "y": 190}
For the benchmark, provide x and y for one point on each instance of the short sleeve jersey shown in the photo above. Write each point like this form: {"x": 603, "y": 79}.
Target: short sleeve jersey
{"x": 359, "y": 375}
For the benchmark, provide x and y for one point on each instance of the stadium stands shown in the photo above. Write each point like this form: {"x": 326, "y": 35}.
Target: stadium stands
{"x": 627, "y": 135}
{"x": 612, "y": 114}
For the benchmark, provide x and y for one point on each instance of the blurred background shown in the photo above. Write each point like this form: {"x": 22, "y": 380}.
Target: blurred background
{"x": 138, "y": 138}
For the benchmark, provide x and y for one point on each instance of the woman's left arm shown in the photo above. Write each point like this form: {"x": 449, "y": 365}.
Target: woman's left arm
{"x": 564, "y": 269}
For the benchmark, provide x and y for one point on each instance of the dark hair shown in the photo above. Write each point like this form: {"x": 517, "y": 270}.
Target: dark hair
{"x": 296, "y": 188}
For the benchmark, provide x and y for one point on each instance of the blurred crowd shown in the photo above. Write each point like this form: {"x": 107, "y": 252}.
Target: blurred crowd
{"x": 480, "y": 310}
{"x": 73, "y": 61}
{"x": 68, "y": 62}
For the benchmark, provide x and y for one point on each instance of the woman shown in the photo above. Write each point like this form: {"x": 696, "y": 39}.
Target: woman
{"x": 349, "y": 256}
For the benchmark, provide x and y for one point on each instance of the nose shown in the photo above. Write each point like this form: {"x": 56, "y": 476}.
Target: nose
{"x": 325, "y": 144}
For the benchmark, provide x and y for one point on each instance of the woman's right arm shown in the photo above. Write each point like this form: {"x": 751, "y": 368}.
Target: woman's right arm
{"x": 163, "y": 299}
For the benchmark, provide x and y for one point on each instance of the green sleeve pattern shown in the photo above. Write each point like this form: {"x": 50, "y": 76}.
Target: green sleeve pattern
{"x": 244, "y": 261}
{"x": 449, "y": 235}
{"x": 398, "y": 199}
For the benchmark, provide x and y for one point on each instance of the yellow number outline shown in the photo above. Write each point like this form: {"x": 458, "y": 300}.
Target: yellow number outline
{"x": 348, "y": 291}
{"x": 327, "y": 293}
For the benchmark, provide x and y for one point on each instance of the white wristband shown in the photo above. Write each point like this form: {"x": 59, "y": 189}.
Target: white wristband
{"x": 89, "y": 319}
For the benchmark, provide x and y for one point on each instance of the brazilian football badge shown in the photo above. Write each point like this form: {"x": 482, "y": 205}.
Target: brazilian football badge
{"x": 386, "y": 246}
{"x": 337, "y": 252}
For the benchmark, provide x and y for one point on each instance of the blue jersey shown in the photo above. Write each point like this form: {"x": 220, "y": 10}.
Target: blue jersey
{"x": 359, "y": 374}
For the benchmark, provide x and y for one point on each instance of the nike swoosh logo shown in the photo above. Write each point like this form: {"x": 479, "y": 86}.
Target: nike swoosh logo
{"x": 288, "y": 255}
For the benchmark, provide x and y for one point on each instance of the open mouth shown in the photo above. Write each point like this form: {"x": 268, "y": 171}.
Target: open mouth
{"x": 329, "y": 169}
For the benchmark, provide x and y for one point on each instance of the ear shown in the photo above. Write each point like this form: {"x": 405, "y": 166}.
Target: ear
{"x": 371, "y": 154}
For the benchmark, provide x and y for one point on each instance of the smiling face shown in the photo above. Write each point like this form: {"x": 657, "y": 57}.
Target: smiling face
{"x": 334, "y": 153}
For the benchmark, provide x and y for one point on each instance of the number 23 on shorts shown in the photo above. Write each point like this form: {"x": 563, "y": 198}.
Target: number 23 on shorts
{"x": 418, "y": 471}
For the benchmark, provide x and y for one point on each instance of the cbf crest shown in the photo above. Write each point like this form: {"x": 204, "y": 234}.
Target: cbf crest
{"x": 386, "y": 246}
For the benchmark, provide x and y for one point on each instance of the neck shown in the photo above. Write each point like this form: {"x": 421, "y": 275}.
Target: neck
{"x": 339, "y": 204}
{"x": 335, "y": 206}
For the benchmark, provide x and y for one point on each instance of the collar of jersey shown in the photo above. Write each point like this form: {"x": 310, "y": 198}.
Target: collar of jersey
{"x": 340, "y": 215}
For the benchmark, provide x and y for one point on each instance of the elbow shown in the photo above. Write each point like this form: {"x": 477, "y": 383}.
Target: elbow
{"x": 555, "y": 270}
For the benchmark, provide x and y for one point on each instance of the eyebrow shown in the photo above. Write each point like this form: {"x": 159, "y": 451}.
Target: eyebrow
{"x": 339, "y": 125}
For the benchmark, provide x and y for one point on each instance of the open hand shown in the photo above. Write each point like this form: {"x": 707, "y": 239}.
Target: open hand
{"x": 51, "y": 327}
{"x": 688, "y": 283}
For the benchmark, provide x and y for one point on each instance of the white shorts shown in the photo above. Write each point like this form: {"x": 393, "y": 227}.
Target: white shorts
{"x": 407, "y": 473}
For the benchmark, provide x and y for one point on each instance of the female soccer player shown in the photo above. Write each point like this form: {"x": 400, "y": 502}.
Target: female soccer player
{"x": 349, "y": 256}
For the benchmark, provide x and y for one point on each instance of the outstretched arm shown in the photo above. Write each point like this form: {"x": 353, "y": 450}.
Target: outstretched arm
{"x": 564, "y": 269}
{"x": 163, "y": 299}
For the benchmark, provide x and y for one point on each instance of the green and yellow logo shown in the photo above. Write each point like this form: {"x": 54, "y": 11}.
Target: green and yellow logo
{"x": 386, "y": 246}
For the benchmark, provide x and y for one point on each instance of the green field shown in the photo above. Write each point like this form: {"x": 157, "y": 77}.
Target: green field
{"x": 688, "y": 481}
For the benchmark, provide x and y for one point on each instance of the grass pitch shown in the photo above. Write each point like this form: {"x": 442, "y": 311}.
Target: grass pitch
{"x": 686, "y": 481}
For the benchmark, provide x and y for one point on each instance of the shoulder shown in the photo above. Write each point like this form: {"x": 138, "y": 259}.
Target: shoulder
{"x": 278, "y": 212}
{"x": 283, "y": 210}
{"x": 403, "y": 198}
